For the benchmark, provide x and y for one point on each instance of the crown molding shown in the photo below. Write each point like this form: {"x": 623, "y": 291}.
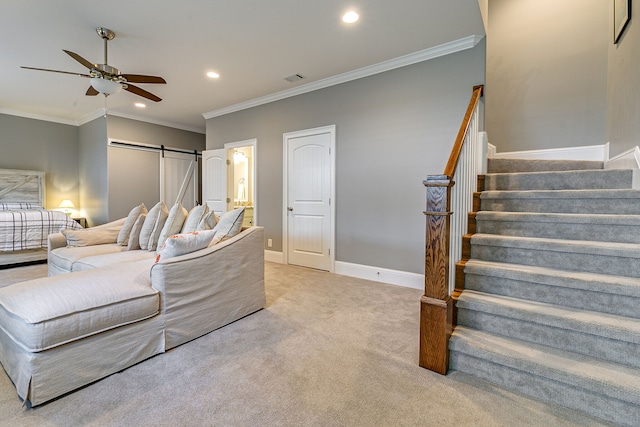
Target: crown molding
{"x": 157, "y": 122}
{"x": 37, "y": 117}
{"x": 401, "y": 61}
{"x": 95, "y": 115}
{"x": 92, "y": 116}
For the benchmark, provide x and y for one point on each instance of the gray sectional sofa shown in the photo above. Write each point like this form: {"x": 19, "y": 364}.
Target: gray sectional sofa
{"x": 103, "y": 309}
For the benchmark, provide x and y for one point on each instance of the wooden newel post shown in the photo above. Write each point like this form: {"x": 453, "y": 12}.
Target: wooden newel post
{"x": 436, "y": 306}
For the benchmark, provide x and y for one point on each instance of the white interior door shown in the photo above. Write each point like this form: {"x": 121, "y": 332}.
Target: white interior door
{"x": 179, "y": 179}
{"x": 309, "y": 191}
{"x": 214, "y": 180}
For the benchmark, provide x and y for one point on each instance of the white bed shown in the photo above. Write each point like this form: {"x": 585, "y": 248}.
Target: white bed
{"x": 24, "y": 223}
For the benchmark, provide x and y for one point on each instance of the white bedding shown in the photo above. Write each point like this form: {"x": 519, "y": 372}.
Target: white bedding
{"x": 22, "y": 229}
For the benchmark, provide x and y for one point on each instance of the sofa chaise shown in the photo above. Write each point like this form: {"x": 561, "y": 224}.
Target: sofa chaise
{"x": 117, "y": 308}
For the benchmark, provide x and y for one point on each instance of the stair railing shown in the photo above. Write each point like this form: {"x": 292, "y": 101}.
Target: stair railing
{"x": 446, "y": 217}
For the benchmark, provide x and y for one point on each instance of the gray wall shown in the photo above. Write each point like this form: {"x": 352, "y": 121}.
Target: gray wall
{"x": 44, "y": 146}
{"x": 547, "y": 73}
{"x": 127, "y": 166}
{"x": 93, "y": 171}
{"x": 623, "y": 87}
{"x": 393, "y": 129}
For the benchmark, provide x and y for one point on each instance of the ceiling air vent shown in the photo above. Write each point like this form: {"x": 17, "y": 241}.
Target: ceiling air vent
{"x": 294, "y": 78}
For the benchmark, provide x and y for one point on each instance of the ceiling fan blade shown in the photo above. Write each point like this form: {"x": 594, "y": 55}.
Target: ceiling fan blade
{"x": 143, "y": 93}
{"x": 91, "y": 91}
{"x": 56, "y": 71}
{"x": 80, "y": 59}
{"x": 139, "y": 78}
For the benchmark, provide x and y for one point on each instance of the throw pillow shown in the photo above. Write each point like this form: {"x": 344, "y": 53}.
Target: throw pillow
{"x": 194, "y": 218}
{"x": 125, "y": 231}
{"x": 208, "y": 222}
{"x": 174, "y": 223}
{"x": 134, "y": 237}
{"x": 152, "y": 226}
{"x": 90, "y": 236}
{"x": 229, "y": 225}
{"x": 181, "y": 244}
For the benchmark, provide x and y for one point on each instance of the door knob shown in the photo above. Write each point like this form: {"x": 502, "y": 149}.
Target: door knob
{"x": 290, "y": 209}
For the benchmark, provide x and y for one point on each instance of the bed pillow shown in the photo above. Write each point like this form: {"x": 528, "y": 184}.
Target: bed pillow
{"x": 229, "y": 225}
{"x": 123, "y": 236}
{"x": 152, "y": 226}
{"x": 208, "y": 222}
{"x": 174, "y": 223}
{"x": 181, "y": 244}
{"x": 90, "y": 236}
{"x": 193, "y": 219}
{"x": 134, "y": 236}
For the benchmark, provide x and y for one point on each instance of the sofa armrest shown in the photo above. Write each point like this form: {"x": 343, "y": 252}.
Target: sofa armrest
{"x": 56, "y": 240}
{"x": 212, "y": 287}
{"x": 116, "y": 223}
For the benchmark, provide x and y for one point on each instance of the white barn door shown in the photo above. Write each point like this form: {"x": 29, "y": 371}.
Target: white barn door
{"x": 309, "y": 189}
{"x": 179, "y": 179}
{"x": 214, "y": 180}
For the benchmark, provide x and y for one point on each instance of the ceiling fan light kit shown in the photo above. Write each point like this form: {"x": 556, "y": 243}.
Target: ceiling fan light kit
{"x": 106, "y": 79}
{"x": 105, "y": 86}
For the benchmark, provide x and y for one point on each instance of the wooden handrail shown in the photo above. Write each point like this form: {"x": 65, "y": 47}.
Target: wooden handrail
{"x": 436, "y": 305}
{"x": 450, "y": 169}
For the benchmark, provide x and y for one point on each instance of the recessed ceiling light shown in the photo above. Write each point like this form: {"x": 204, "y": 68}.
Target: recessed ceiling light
{"x": 213, "y": 75}
{"x": 139, "y": 105}
{"x": 350, "y": 17}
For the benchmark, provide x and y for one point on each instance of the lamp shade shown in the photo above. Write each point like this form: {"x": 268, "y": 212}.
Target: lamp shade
{"x": 105, "y": 86}
{"x": 66, "y": 203}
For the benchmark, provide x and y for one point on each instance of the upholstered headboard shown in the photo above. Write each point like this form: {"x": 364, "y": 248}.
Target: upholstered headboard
{"x": 22, "y": 186}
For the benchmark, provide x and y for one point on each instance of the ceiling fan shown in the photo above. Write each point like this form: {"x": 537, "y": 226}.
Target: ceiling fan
{"x": 106, "y": 79}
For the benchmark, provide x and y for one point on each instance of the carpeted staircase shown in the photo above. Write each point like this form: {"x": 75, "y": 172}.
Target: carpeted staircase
{"x": 551, "y": 306}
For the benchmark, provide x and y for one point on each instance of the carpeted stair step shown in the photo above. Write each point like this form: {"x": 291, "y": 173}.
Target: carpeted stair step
{"x": 604, "y": 336}
{"x": 624, "y": 202}
{"x": 618, "y": 259}
{"x": 497, "y": 165}
{"x": 605, "y": 227}
{"x": 603, "y": 390}
{"x": 595, "y": 292}
{"x": 562, "y": 180}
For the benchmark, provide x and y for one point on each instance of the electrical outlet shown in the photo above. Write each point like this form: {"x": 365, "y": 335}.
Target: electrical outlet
{"x": 269, "y": 242}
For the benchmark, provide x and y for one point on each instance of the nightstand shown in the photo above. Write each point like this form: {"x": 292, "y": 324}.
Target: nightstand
{"x": 80, "y": 220}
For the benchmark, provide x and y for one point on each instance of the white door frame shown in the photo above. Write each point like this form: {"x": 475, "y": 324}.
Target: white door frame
{"x": 253, "y": 143}
{"x": 331, "y": 130}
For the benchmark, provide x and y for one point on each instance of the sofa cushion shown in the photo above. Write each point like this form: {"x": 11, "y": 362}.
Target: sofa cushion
{"x": 48, "y": 312}
{"x": 63, "y": 258}
{"x": 134, "y": 236}
{"x": 112, "y": 259}
{"x": 174, "y": 223}
{"x": 152, "y": 226}
{"x": 208, "y": 221}
{"x": 180, "y": 244}
{"x": 229, "y": 225}
{"x": 91, "y": 236}
{"x": 125, "y": 231}
{"x": 193, "y": 219}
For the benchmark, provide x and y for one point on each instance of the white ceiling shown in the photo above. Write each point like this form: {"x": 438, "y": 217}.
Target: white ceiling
{"x": 252, "y": 44}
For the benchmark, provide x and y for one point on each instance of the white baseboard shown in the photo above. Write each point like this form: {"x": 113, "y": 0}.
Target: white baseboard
{"x": 273, "y": 256}
{"x": 628, "y": 160}
{"x": 588, "y": 152}
{"x": 384, "y": 275}
{"x": 491, "y": 150}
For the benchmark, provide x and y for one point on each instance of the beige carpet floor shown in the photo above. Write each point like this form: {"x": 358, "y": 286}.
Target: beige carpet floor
{"x": 328, "y": 350}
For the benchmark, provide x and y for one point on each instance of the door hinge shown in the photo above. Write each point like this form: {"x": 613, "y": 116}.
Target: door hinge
{"x": 329, "y": 252}
{"x": 228, "y": 162}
